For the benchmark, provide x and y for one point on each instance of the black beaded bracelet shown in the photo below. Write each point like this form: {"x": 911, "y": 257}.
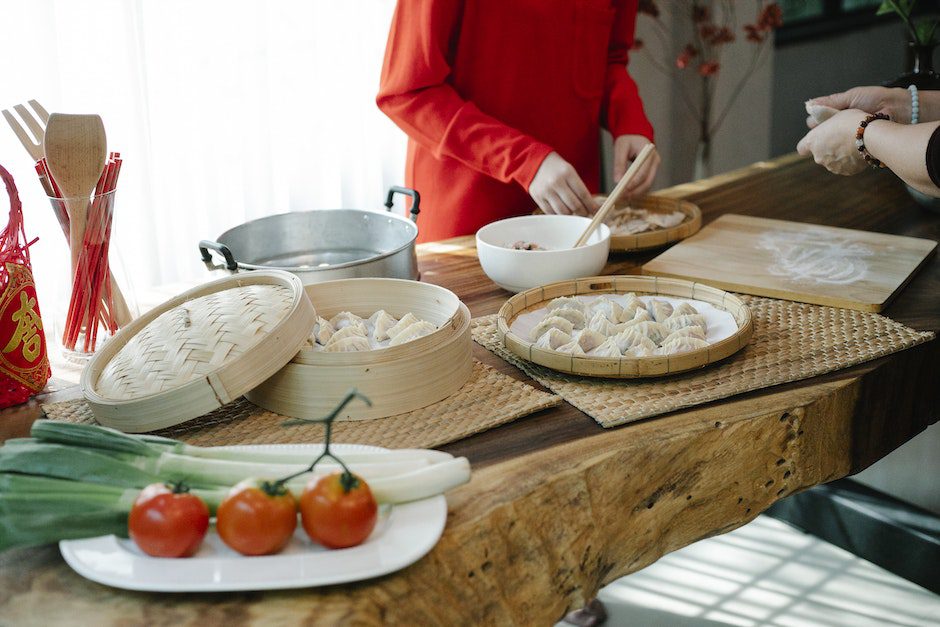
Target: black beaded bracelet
{"x": 860, "y": 138}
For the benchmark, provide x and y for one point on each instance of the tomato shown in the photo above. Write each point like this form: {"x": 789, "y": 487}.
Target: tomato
{"x": 334, "y": 516}
{"x": 257, "y": 517}
{"x": 168, "y": 521}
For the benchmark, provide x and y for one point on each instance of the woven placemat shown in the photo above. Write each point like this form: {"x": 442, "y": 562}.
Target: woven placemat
{"x": 489, "y": 399}
{"x": 791, "y": 341}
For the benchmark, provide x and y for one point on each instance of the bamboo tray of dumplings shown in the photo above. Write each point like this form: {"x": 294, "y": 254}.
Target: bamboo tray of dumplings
{"x": 397, "y": 379}
{"x": 624, "y": 367}
{"x": 659, "y": 237}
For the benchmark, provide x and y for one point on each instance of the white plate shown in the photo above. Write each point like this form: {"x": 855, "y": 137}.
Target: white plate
{"x": 400, "y": 538}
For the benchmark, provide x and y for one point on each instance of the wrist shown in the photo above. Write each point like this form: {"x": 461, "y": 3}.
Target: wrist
{"x": 861, "y": 135}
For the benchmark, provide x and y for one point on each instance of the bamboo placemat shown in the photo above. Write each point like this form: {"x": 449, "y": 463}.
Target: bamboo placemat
{"x": 487, "y": 400}
{"x": 791, "y": 341}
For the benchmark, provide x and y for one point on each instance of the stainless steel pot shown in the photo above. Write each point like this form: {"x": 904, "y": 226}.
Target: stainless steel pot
{"x": 325, "y": 244}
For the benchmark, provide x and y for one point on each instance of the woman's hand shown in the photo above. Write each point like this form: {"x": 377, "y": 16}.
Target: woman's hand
{"x": 557, "y": 188}
{"x": 832, "y": 143}
{"x": 894, "y": 102}
{"x": 626, "y": 149}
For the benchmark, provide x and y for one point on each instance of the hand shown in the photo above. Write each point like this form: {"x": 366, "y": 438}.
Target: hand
{"x": 626, "y": 149}
{"x": 557, "y": 188}
{"x": 832, "y": 143}
{"x": 895, "y": 102}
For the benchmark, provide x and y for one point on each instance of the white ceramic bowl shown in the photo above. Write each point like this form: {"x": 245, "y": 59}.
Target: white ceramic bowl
{"x": 518, "y": 270}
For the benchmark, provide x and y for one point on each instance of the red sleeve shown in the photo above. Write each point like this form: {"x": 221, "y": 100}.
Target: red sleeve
{"x": 415, "y": 94}
{"x": 623, "y": 110}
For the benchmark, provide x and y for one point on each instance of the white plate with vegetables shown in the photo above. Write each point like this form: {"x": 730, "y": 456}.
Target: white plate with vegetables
{"x": 403, "y": 535}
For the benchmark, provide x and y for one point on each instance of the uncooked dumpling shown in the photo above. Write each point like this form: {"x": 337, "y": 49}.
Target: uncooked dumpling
{"x": 631, "y": 338}
{"x": 682, "y": 345}
{"x": 642, "y": 351}
{"x": 575, "y": 316}
{"x": 566, "y": 302}
{"x": 632, "y": 305}
{"x": 413, "y": 332}
{"x": 684, "y": 309}
{"x": 551, "y": 322}
{"x": 344, "y": 319}
{"x": 608, "y": 349}
{"x": 641, "y": 315}
{"x": 572, "y": 347}
{"x": 406, "y": 321}
{"x": 693, "y": 331}
{"x": 382, "y": 322}
{"x": 610, "y": 308}
{"x": 674, "y": 323}
{"x": 600, "y": 323}
{"x": 553, "y": 338}
{"x": 323, "y": 331}
{"x": 660, "y": 310}
{"x": 590, "y": 339}
{"x": 345, "y": 332}
{"x": 349, "y": 344}
{"x": 653, "y": 330}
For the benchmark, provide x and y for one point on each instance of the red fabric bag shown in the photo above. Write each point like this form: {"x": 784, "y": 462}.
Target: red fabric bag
{"x": 24, "y": 362}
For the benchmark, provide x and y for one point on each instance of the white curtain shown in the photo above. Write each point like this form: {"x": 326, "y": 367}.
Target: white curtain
{"x": 223, "y": 110}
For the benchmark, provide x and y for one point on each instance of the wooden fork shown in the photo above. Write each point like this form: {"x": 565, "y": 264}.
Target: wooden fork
{"x": 33, "y": 145}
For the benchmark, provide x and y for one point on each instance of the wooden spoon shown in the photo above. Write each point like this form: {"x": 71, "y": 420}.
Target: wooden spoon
{"x": 616, "y": 194}
{"x": 76, "y": 149}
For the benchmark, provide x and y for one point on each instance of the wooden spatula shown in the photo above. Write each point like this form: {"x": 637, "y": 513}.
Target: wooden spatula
{"x": 615, "y": 195}
{"x": 76, "y": 149}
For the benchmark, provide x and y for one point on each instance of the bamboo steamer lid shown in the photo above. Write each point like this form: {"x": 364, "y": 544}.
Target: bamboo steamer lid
{"x": 198, "y": 351}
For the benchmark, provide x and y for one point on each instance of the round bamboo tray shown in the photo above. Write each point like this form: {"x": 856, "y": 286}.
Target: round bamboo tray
{"x": 397, "y": 379}
{"x": 198, "y": 351}
{"x": 624, "y": 367}
{"x": 659, "y": 237}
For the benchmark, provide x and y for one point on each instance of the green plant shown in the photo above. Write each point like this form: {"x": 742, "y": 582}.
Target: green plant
{"x": 923, "y": 31}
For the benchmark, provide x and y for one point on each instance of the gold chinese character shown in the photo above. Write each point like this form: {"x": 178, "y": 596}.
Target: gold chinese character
{"x": 28, "y": 325}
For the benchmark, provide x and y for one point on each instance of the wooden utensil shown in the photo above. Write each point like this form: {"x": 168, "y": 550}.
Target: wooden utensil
{"x": 76, "y": 149}
{"x": 615, "y": 195}
{"x": 34, "y": 144}
{"x": 796, "y": 261}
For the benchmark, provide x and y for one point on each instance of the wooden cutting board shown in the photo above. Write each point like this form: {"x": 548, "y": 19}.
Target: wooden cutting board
{"x": 795, "y": 261}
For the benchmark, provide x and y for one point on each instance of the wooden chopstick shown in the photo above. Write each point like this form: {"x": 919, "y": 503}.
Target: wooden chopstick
{"x": 615, "y": 195}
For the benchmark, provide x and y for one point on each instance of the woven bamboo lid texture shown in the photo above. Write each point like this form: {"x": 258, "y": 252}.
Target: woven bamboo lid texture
{"x": 198, "y": 351}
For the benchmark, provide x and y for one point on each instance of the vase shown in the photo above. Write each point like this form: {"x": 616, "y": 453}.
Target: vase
{"x": 920, "y": 72}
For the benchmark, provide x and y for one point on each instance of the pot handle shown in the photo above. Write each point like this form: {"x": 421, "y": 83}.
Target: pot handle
{"x": 407, "y": 191}
{"x": 206, "y": 245}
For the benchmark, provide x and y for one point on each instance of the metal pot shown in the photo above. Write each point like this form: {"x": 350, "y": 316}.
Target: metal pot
{"x": 323, "y": 245}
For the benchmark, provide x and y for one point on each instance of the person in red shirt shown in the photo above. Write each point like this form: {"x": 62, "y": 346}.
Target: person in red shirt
{"x": 502, "y": 102}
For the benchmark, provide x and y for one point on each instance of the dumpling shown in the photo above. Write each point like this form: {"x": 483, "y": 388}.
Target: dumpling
{"x": 610, "y": 308}
{"x": 632, "y": 305}
{"x": 344, "y": 319}
{"x": 382, "y": 322}
{"x": 608, "y": 349}
{"x": 653, "y": 330}
{"x": 643, "y": 350}
{"x": 575, "y": 316}
{"x": 406, "y": 321}
{"x": 572, "y": 347}
{"x": 684, "y": 309}
{"x": 323, "y": 331}
{"x": 566, "y": 302}
{"x": 349, "y": 344}
{"x": 674, "y": 323}
{"x": 693, "y": 331}
{"x": 345, "y": 332}
{"x": 682, "y": 345}
{"x": 413, "y": 332}
{"x": 551, "y": 322}
{"x": 553, "y": 338}
{"x": 641, "y": 315}
{"x": 660, "y": 310}
{"x": 600, "y": 324}
{"x": 590, "y": 339}
{"x": 631, "y": 338}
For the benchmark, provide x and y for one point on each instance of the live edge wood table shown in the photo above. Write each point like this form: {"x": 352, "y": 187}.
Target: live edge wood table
{"x": 557, "y": 506}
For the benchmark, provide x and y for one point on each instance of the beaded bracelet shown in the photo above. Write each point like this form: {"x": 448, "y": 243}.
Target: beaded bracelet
{"x": 860, "y": 139}
{"x": 915, "y": 104}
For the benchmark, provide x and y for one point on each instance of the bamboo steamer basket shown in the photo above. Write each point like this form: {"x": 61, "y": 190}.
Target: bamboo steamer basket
{"x": 198, "y": 351}
{"x": 660, "y": 237}
{"x": 624, "y": 367}
{"x": 396, "y": 379}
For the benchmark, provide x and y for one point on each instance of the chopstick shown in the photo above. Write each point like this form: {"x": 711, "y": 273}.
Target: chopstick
{"x": 615, "y": 195}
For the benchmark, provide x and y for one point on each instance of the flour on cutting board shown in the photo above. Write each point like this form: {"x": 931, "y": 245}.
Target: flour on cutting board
{"x": 816, "y": 257}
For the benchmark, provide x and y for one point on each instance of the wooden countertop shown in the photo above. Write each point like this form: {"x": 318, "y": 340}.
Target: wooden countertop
{"x": 558, "y": 506}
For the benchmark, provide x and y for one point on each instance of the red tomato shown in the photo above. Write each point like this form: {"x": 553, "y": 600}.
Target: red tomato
{"x": 335, "y": 517}
{"x": 257, "y": 517}
{"x": 168, "y": 521}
